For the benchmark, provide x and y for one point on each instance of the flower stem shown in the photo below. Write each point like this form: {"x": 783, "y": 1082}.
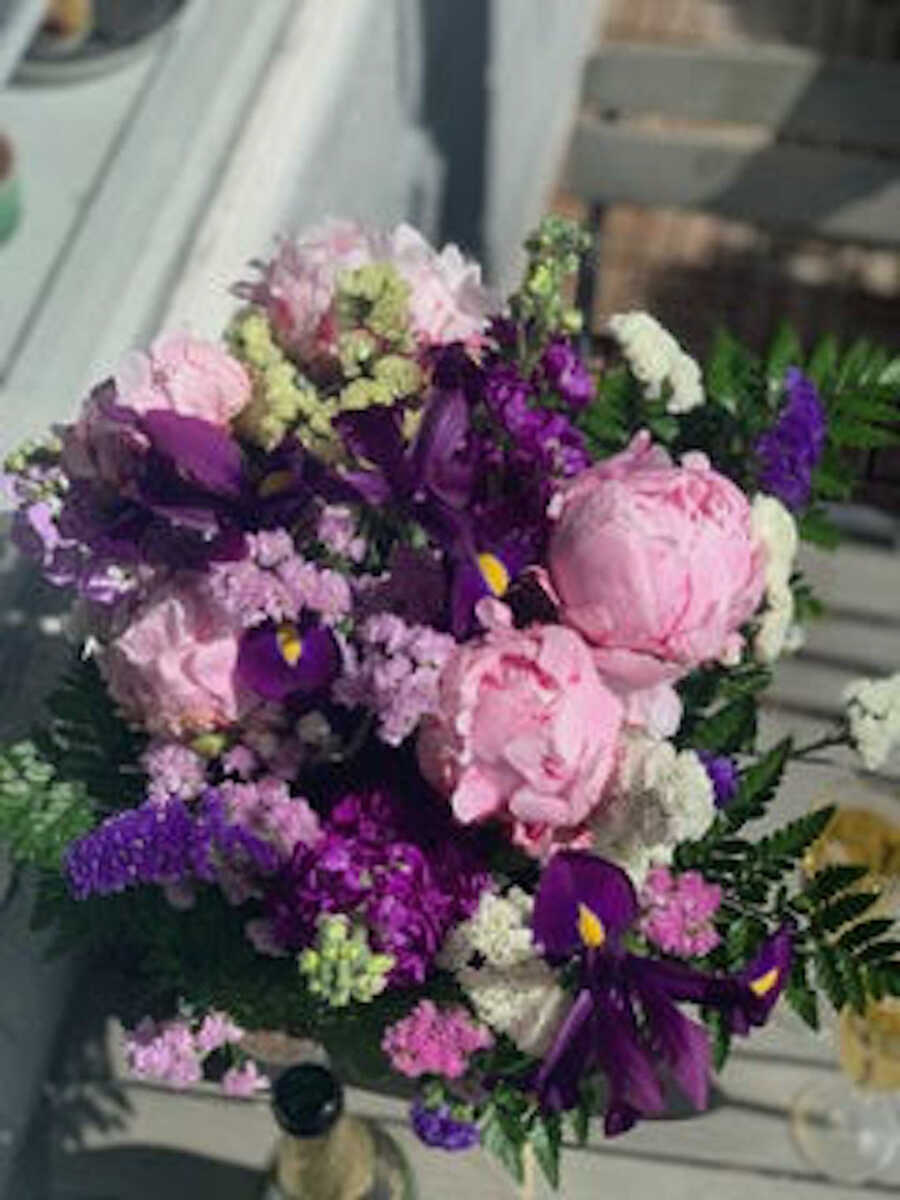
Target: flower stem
{"x": 822, "y": 743}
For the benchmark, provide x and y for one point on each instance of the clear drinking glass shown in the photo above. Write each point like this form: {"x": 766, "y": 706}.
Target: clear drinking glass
{"x": 848, "y": 1124}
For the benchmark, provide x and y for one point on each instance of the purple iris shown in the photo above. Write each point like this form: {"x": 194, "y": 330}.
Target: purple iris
{"x": 487, "y": 571}
{"x": 281, "y": 660}
{"x": 162, "y": 488}
{"x": 624, "y": 1021}
{"x": 789, "y": 451}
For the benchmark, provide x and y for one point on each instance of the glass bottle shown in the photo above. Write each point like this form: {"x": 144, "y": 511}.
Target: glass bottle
{"x": 325, "y": 1153}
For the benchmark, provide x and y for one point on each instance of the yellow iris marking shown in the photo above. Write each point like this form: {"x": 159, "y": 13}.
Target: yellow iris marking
{"x": 290, "y": 643}
{"x": 590, "y": 928}
{"x": 765, "y": 983}
{"x": 494, "y": 574}
{"x": 274, "y": 483}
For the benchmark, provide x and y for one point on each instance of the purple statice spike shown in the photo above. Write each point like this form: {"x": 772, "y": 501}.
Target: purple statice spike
{"x": 788, "y": 452}
{"x": 723, "y": 774}
{"x": 163, "y": 844}
{"x": 438, "y": 1128}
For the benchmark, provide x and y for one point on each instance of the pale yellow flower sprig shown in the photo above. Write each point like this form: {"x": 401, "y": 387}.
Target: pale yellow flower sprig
{"x": 373, "y": 348}
{"x": 283, "y": 401}
{"x": 342, "y": 967}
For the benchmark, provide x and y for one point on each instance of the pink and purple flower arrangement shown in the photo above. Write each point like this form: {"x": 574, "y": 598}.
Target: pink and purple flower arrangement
{"x": 414, "y": 700}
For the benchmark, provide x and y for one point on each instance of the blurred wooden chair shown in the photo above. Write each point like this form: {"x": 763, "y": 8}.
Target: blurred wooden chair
{"x": 781, "y": 137}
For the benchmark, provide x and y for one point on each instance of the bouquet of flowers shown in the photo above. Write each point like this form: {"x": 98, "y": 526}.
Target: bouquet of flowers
{"x": 415, "y": 699}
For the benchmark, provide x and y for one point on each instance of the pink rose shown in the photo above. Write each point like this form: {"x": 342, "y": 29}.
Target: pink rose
{"x": 298, "y": 284}
{"x": 525, "y": 732}
{"x": 172, "y": 670}
{"x": 657, "y": 567}
{"x": 447, "y": 301}
{"x": 184, "y": 375}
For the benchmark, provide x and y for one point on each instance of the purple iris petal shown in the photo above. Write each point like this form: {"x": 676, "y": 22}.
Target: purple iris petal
{"x": 203, "y": 452}
{"x": 487, "y": 572}
{"x": 572, "y": 881}
{"x": 679, "y": 1042}
{"x": 279, "y": 661}
{"x": 763, "y": 981}
{"x": 442, "y": 455}
{"x": 571, "y": 1056}
{"x": 376, "y": 436}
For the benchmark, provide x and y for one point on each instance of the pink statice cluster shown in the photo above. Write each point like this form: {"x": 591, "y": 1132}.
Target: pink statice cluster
{"x": 678, "y": 910}
{"x": 173, "y": 1052}
{"x": 338, "y": 533}
{"x": 266, "y": 808}
{"x": 273, "y": 582}
{"x": 174, "y": 771}
{"x": 434, "y": 1041}
{"x": 394, "y": 671}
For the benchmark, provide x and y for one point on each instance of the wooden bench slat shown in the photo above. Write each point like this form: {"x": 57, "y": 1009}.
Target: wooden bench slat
{"x": 852, "y": 197}
{"x": 798, "y": 92}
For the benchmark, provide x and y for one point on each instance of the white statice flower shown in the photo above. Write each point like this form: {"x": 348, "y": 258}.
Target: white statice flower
{"x": 526, "y": 1003}
{"x": 873, "y": 713}
{"x": 659, "y": 797}
{"x": 776, "y": 531}
{"x": 655, "y": 359}
{"x": 499, "y": 931}
{"x": 497, "y": 964}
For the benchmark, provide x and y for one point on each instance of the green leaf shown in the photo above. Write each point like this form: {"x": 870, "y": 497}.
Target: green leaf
{"x": 784, "y": 352}
{"x": 758, "y": 785}
{"x": 800, "y": 995}
{"x": 864, "y": 932}
{"x": 828, "y": 976}
{"x": 832, "y": 880}
{"x": 545, "y": 1136}
{"x": 730, "y": 728}
{"x": 505, "y": 1140}
{"x": 844, "y": 909}
{"x": 787, "y": 844}
{"x": 581, "y": 1122}
{"x": 879, "y": 952}
{"x": 815, "y": 527}
{"x": 852, "y": 980}
{"x": 823, "y": 362}
{"x": 890, "y": 374}
{"x": 718, "y": 1026}
{"x": 39, "y": 814}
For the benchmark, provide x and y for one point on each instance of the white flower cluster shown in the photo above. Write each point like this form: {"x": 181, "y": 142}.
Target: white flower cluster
{"x": 656, "y": 358}
{"x": 775, "y": 528}
{"x": 873, "y": 712}
{"x": 498, "y": 967}
{"x": 659, "y": 797}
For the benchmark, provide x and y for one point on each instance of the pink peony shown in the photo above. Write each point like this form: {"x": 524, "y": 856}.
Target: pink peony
{"x": 525, "y": 731}
{"x": 172, "y": 670}
{"x": 185, "y": 375}
{"x": 657, "y": 567}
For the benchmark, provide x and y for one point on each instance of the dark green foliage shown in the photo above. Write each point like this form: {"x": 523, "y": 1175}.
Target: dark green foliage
{"x": 87, "y": 740}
